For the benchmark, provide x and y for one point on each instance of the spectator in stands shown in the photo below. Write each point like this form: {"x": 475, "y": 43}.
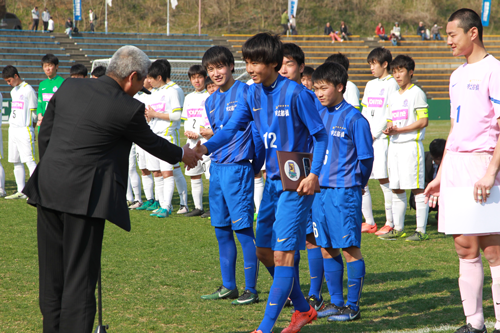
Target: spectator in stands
{"x": 35, "y": 15}
{"x": 435, "y": 32}
{"x": 380, "y": 31}
{"x": 395, "y": 34}
{"x": 343, "y": 31}
{"x": 421, "y": 30}
{"x": 98, "y": 72}
{"x": 51, "y": 25}
{"x": 284, "y": 22}
{"x": 329, "y": 31}
{"x": 91, "y": 20}
{"x": 307, "y": 77}
{"x": 69, "y": 27}
{"x": 78, "y": 71}
{"x": 292, "y": 25}
{"x": 45, "y": 19}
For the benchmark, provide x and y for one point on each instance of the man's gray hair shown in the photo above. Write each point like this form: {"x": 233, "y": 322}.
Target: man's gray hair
{"x": 128, "y": 59}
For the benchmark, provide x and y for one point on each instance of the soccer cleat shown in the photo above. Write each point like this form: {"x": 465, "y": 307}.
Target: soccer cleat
{"x": 183, "y": 210}
{"x": 255, "y": 216}
{"x": 417, "y": 237}
{"x": 162, "y": 213}
{"x": 385, "y": 229}
{"x": 129, "y": 203}
{"x": 329, "y": 310}
{"x": 368, "y": 228}
{"x": 346, "y": 313}
{"x": 247, "y": 297}
{"x": 393, "y": 235}
{"x": 317, "y": 304}
{"x": 469, "y": 329}
{"x": 146, "y": 205}
{"x": 301, "y": 319}
{"x": 17, "y": 195}
{"x": 195, "y": 212}
{"x": 205, "y": 215}
{"x": 222, "y": 293}
{"x": 135, "y": 205}
{"x": 156, "y": 211}
{"x": 288, "y": 303}
{"x": 154, "y": 206}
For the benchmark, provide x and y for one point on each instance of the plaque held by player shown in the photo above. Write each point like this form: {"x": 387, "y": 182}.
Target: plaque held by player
{"x": 293, "y": 168}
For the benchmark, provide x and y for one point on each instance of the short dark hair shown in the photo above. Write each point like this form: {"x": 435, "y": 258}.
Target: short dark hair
{"x": 403, "y": 61}
{"x": 160, "y": 67}
{"x": 99, "y": 71}
{"x": 49, "y": 58}
{"x": 331, "y": 72}
{"x": 468, "y": 19}
{"x": 208, "y": 81}
{"x": 436, "y": 148}
{"x": 308, "y": 71}
{"x": 197, "y": 69}
{"x": 293, "y": 51}
{"x": 339, "y": 58}
{"x": 78, "y": 69}
{"x": 9, "y": 71}
{"x": 264, "y": 48}
{"x": 380, "y": 55}
{"x": 218, "y": 55}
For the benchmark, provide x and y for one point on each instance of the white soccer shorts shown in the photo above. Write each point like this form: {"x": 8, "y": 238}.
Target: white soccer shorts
{"x": 153, "y": 163}
{"x": 406, "y": 165}
{"x": 202, "y": 166}
{"x": 21, "y": 144}
{"x": 380, "y": 149}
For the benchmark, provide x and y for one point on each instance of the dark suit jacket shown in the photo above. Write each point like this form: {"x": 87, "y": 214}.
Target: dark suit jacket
{"x": 84, "y": 143}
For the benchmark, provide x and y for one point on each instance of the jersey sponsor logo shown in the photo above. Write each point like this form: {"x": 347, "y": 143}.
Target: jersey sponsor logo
{"x": 281, "y": 240}
{"x": 376, "y": 102}
{"x": 195, "y": 113}
{"x": 158, "y": 107}
{"x": 18, "y": 105}
{"x": 47, "y": 96}
{"x": 472, "y": 86}
{"x": 282, "y": 111}
{"x": 292, "y": 170}
{"x": 400, "y": 114}
{"x": 231, "y": 106}
{"x": 338, "y": 134}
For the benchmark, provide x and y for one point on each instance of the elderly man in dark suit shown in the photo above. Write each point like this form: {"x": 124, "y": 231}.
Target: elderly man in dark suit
{"x": 81, "y": 181}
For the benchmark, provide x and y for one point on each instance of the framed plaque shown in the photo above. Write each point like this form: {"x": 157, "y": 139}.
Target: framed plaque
{"x": 293, "y": 168}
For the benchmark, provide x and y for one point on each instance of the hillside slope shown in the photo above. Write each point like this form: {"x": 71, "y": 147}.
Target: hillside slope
{"x": 251, "y": 16}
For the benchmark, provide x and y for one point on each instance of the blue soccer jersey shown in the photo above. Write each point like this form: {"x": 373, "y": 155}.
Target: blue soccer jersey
{"x": 285, "y": 116}
{"x": 220, "y": 108}
{"x": 349, "y": 141}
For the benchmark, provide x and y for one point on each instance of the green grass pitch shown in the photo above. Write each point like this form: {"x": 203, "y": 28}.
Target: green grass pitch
{"x": 154, "y": 275}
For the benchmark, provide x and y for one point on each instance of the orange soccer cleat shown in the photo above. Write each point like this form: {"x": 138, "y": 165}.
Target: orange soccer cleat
{"x": 301, "y": 319}
{"x": 368, "y": 228}
{"x": 385, "y": 229}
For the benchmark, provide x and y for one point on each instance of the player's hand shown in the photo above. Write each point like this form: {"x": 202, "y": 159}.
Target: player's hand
{"x": 150, "y": 113}
{"x": 391, "y": 130}
{"x": 482, "y": 188}
{"x": 191, "y": 135}
{"x": 307, "y": 185}
{"x": 200, "y": 149}
{"x": 40, "y": 118}
{"x": 207, "y": 133}
{"x": 432, "y": 192}
{"x": 191, "y": 157}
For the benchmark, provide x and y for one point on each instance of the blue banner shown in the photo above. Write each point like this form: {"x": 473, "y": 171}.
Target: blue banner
{"x": 77, "y": 10}
{"x": 485, "y": 15}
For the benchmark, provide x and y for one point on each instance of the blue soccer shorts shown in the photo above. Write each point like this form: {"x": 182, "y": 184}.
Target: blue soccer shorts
{"x": 309, "y": 228}
{"x": 231, "y": 195}
{"x": 281, "y": 224}
{"x": 337, "y": 217}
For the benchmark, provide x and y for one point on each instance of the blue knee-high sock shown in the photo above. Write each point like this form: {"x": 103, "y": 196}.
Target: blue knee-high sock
{"x": 227, "y": 256}
{"x": 355, "y": 279}
{"x": 296, "y": 262}
{"x": 334, "y": 274}
{"x": 282, "y": 285}
{"x": 251, "y": 263}
{"x": 316, "y": 271}
{"x": 297, "y": 297}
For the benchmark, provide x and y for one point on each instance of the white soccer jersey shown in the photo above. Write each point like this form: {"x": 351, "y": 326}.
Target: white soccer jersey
{"x": 24, "y": 100}
{"x": 351, "y": 94}
{"x": 166, "y": 99}
{"x": 375, "y": 101}
{"x": 405, "y": 109}
{"x": 193, "y": 112}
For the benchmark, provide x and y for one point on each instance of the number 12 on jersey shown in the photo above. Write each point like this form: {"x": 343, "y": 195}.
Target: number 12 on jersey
{"x": 271, "y": 136}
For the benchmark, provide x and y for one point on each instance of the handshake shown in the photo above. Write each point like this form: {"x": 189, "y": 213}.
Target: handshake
{"x": 192, "y": 156}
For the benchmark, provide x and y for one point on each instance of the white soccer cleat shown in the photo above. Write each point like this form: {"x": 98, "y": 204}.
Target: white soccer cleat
{"x": 183, "y": 210}
{"x": 17, "y": 195}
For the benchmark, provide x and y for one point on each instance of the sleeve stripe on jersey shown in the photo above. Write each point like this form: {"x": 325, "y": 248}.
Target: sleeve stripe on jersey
{"x": 363, "y": 105}
{"x": 182, "y": 118}
{"x": 496, "y": 101}
{"x": 422, "y": 113}
{"x": 177, "y": 110}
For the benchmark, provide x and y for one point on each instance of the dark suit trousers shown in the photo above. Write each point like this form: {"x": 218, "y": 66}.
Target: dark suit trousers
{"x": 69, "y": 255}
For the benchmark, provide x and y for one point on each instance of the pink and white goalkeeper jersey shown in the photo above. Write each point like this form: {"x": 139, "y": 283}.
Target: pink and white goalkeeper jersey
{"x": 475, "y": 106}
